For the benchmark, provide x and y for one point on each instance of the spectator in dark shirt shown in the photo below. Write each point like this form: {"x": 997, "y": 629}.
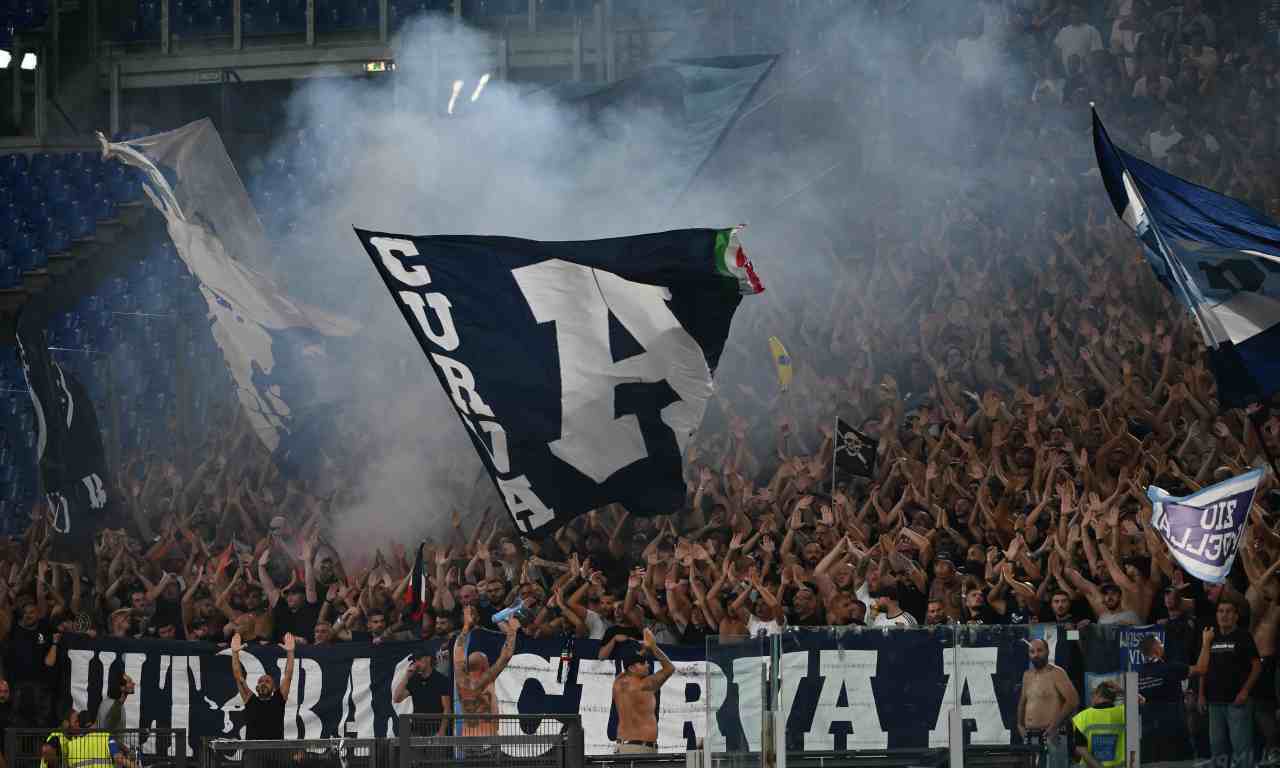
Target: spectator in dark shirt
{"x": 1232, "y": 668}
{"x": 28, "y": 642}
{"x": 300, "y": 611}
{"x": 1164, "y": 721}
{"x": 429, "y": 689}
{"x": 264, "y": 705}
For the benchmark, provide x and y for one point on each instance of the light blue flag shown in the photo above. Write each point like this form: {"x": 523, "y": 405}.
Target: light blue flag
{"x": 1203, "y": 530}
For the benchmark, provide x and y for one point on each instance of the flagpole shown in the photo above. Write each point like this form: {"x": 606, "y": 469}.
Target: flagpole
{"x": 1175, "y": 266}
{"x": 835, "y": 446}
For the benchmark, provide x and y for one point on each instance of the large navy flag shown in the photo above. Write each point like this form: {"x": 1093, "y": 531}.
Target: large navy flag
{"x": 580, "y": 369}
{"x": 1203, "y": 530}
{"x": 1220, "y": 257}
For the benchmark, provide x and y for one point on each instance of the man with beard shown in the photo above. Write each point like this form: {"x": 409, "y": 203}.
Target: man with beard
{"x": 1048, "y": 698}
{"x": 474, "y": 675}
{"x": 946, "y": 586}
{"x": 1105, "y": 601}
{"x": 634, "y": 698}
{"x": 1232, "y": 669}
{"x": 264, "y": 706}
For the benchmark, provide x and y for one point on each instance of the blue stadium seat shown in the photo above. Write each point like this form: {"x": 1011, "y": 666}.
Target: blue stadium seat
{"x": 12, "y": 164}
{"x": 10, "y": 272}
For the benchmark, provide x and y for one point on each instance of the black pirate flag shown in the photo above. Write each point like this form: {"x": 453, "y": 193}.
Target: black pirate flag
{"x": 855, "y": 452}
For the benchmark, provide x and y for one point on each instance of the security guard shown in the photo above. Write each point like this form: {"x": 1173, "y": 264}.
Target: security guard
{"x": 1102, "y": 729}
{"x": 92, "y": 749}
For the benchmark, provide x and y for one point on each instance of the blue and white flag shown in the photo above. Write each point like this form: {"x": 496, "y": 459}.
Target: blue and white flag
{"x": 274, "y": 347}
{"x": 580, "y": 369}
{"x": 1203, "y": 530}
{"x": 1220, "y": 257}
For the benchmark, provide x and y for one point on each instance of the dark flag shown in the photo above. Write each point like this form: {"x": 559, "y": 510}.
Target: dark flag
{"x": 416, "y": 595}
{"x": 73, "y": 468}
{"x": 1216, "y": 255}
{"x": 855, "y": 452}
{"x": 580, "y": 369}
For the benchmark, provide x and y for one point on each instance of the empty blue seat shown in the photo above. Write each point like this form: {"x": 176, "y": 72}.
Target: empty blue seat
{"x": 12, "y": 164}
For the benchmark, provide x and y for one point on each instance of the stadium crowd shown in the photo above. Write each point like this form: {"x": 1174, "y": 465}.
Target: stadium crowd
{"x": 1014, "y": 447}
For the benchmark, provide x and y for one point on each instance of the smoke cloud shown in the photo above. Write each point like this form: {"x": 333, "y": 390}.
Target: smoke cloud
{"x": 839, "y": 158}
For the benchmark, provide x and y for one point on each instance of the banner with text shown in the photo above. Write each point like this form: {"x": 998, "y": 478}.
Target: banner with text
{"x": 867, "y": 689}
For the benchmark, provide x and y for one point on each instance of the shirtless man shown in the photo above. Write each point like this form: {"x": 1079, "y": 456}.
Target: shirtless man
{"x": 474, "y": 676}
{"x": 633, "y": 696}
{"x": 1048, "y": 699}
{"x": 1105, "y": 601}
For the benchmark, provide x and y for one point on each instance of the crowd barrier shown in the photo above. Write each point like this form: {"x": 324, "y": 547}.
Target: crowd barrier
{"x": 149, "y": 747}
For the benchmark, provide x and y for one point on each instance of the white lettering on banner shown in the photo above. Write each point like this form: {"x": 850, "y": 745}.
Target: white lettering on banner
{"x": 357, "y": 702}
{"x": 595, "y": 679}
{"x": 391, "y": 250}
{"x": 578, "y": 300}
{"x": 522, "y": 668}
{"x": 676, "y": 711}
{"x": 462, "y": 386}
{"x": 80, "y": 674}
{"x": 97, "y": 493}
{"x": 849, "y": 671}
{"x": 526, "y": 509}
{"x": 749, "y": 674}
{"x": 304, "y": 695}
{"x": 405, "y": 707}
{"x": 180, "y": 695}
{"x": 447, "y": 338}
{"x": 976, "y": 674}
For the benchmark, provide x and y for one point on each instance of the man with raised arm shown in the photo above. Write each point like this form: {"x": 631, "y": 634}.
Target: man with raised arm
{"x": 264, "y": 706}
{"x": 1048, "y": 698}
{"x": 474, "y": 676}
{"x": 634, "y": 697}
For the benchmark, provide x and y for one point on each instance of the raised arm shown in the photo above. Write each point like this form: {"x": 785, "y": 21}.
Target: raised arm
{"x": 237, "y": 671}
{"x": 286, "y": 681}
{"x": 654, "y": 682}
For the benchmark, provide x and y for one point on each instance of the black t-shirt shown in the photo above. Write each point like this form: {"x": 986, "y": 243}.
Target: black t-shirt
{"x": 985, "y": 614}
{"x": 264, "y": 718}
{"x": 27, "y": 648}
{"x": 169, "y": 613}
{"x": 300, "y": 623}
{"x": 912, "y": 600}
{"x": 1162, "y": 681}
{"x": 1230, "y": 659}
{"x": 427, "y": 691}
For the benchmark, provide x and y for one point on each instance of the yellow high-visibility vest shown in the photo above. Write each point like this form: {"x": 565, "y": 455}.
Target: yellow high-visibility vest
{"x": 61, "y": 739}
{"x": 1103, "y": 731}
{"x": 89, "y": 751}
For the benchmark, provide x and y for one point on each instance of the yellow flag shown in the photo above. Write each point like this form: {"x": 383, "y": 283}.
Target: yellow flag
{"x": 782, "y": 361}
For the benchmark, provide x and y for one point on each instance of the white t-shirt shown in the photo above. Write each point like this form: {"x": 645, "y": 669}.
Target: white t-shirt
{"x": 756, "y": 626}
{"x": 903, "y": 619}
{"x": 596, "y": 625}
{"x": 1077, "y": 40}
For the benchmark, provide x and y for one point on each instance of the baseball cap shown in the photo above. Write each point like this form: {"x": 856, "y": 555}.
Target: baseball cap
{"x": 277, "y": 522}
{"x": 1109, "y": 587}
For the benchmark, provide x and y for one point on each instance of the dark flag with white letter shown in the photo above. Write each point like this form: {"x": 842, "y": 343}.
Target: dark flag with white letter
{"x": 855, "y": 452}
{"x": 73, "y": 468}
{"x": 580, "y": 369}
{"x": 1203, "y": 530}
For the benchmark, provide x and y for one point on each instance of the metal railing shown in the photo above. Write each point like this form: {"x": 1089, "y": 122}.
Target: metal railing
{"x": 152, "y": 747}
{"x": 298, "y": 753}
{"x": 491, "y": 741}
